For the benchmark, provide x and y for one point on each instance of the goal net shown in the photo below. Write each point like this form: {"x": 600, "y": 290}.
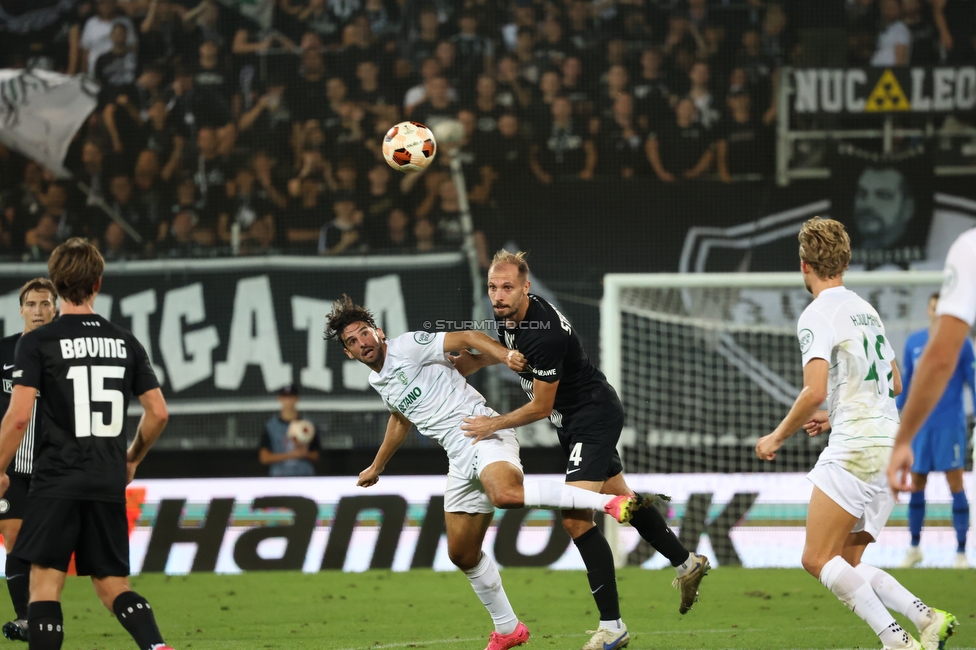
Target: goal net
{"x": 705, "y": 364}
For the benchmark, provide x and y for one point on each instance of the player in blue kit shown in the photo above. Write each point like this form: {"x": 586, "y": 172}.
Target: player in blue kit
{"x": 940, "y": 445}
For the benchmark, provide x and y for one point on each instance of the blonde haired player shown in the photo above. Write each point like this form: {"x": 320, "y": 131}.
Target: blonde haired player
{"x": 848, "y": 363}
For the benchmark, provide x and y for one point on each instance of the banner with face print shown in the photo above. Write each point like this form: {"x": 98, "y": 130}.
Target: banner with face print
{"x": 886, "y": 204}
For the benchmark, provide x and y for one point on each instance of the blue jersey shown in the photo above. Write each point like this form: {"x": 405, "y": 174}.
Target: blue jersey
{"x": 949, "y": 412}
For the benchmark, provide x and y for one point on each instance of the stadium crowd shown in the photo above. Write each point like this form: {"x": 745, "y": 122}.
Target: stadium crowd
{"x": 216, "y": 134}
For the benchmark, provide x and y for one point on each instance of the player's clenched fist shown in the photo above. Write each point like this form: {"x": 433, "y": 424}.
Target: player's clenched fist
{"x": 515, "y": 360}
{"x": 767, "y": 447}
{"x": 368, "y": 477}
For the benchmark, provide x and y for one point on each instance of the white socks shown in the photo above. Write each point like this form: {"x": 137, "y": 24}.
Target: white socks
{"x": 854, "y": 591}
{"x": 894, "y": 596}
{"x": 615, "y": 626}
{"x": 554, "y": 495}
{"x": 686, "y": 566}
{"x": 487, "y": 583}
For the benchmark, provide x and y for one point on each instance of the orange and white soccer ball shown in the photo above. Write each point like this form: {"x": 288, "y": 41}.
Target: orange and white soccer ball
{"x": 301, "y": 431}
{"x": 409, "y": 147}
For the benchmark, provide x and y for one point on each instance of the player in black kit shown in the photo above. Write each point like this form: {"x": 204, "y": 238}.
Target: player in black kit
{"x": 86, "y": 370}
{"x": 38, "y": 304}
{"x": 564, "y": 386}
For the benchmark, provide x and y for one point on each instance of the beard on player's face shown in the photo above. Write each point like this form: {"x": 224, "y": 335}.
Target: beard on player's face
{"x": 509, "y": 306}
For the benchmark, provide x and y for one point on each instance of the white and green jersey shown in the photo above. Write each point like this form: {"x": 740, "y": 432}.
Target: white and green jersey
{"x": 419, "y": 381}
{"x": 846, "y": 331}
{"x": 958, "y": 295}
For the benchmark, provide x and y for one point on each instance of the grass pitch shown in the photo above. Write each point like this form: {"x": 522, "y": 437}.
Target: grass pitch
{"x": 739, "y": 608}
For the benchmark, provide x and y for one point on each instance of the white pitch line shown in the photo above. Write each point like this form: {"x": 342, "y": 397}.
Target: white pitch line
{"x": 411, "y": 644}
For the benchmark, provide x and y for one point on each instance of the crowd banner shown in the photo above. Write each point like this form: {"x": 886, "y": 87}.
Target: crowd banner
{"x": 875, "y": 90}
{"x": 328, "y": 523}
{"x": 223, "y": 332}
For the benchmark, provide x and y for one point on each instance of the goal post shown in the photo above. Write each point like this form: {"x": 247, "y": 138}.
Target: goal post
{"x": 706, "y": 363}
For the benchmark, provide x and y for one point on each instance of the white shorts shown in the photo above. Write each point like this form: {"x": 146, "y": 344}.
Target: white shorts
{"x": 464, "y": 492}
{"x": 869, "y": 499}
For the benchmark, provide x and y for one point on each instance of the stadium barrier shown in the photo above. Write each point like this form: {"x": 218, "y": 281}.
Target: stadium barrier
{"x": 327, "y": 523}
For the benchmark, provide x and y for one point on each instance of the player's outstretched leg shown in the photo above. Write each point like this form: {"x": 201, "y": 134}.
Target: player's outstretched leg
{"x": 934, "y": 625}
{"x": 559, "y": 496}
{"x": 18, "y": 584}
{"x": 46, "y": 625}
{"x": 916, "y": 517}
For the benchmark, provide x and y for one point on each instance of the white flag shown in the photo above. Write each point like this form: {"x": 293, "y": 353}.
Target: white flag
{"x": 41, "y": 111}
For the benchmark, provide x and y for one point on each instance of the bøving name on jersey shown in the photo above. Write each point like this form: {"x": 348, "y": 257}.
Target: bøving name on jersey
{"x": 89, "y": 346}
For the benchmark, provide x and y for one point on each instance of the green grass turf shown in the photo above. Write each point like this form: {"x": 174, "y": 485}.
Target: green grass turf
{"x": 739, "y": 608}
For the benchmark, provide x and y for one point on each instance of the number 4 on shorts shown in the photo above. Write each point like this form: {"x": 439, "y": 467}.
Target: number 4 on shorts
{"x": 577, "y": 454}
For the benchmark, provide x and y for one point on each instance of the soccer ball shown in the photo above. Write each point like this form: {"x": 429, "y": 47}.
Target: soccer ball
{"x": 409, "y": 147}
{"x": 301, "y": 431}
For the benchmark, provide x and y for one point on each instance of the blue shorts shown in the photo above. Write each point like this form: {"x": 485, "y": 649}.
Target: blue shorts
{"x": 939, "y": 449}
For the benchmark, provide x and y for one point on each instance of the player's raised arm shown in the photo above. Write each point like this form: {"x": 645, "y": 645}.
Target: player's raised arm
{"x": 806, "y": 405}
{"x": 154, "y": 418}
{"x": 491, "y": 350}
{"x": 396, "y": 432}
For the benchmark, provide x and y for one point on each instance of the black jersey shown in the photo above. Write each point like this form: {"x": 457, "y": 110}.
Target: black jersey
{"x": 86, "y": 370}
{"x": 553, "y": 352}
{"x": 23, "y": 462}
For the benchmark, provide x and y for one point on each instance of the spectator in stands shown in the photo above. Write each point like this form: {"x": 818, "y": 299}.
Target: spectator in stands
{"x": 272, "y": 185}
{"x": 250, "y": 213}
{"x": 164, "y": 140}
{"x": 437, "y": 106}
{"x": 116, "y": 68}
{"x": 563, "y": 151}
{"x": 397, "y": 238}
{"x": 344, "y": 234}
{"x": 125, "y": 113}
{"x": 523, "y": 15}
{"x": 382, "y": 197}
{"x": 745, "y": 146}
{"x": 422, "y": 45}
{"x": 54, "y": 225}
{"x": 550, "y": 89}
{"x": 775, "y": 39}
{"x": 446, "y": 55}
{"x": 895, "y": 40}
{"x": 149, "y": 194}
{"x": 93, "y": 173}
{"x": 195, "y": 109}
{"x": 573, "y": 87}
{"x": 267, "y": 121}
{"x": 651, "y": 92}
{"x": 210, "y": 173}
{"x": 509, "y": 152}
{"x": 378, "y": 99}
{"x": 530, "y": 67}
{"x": 305, "y": 216}
{"x": 424, "y": 234}
{"x": 473, "y": 53}
{"x": 917, "y": 16}
{"x": 700, "y": 93}
{"x": 305, "y": 95}
{"x": 615, "y": 82}
{"x": 211, "y": 74}
{"x": 822, "y": 31}
{"x": 580, "y": 30}
{"x": 116, "y": 244}
{"x": 283, "y": 455}
{"x": 759, "y": 70}
{"x": 122, "y": 202}
{"x": 513, "y": 93}
{"x": 553, "y": 47}
{"x": 620, "y": 148}
{"x": 185, "y": 237}
{"x": 359, "y": 44}
{"x": 314, "y": 17}
{"x": 96, "y": 38}
{"x": 957, "y": 30}
{"x": 683, "y": 150}
{"x": 449, "y": 230}
{"x": 486, "y": 106}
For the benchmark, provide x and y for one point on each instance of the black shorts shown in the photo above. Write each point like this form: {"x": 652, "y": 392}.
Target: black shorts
{"x": 13, "y": 505}
{"x": 97, "y": 532}
{"x": 592, "y": 454}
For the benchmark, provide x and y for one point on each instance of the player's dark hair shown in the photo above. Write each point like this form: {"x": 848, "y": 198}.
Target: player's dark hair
{"x": 75, "y": 268}
{"x": 38, "y": 284}
{"x": 344, "y": 313}
{"x": 517, "y": 259}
